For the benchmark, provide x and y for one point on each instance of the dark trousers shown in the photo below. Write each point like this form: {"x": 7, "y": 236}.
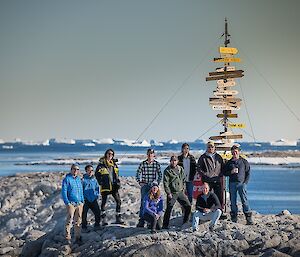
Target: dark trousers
{"x": 217, "y": 188}
{"x": 184, "y": 202}
{"x": 154, "y": 223}
{"x": 116, "y": 196}
{"x": 95, "y": 209}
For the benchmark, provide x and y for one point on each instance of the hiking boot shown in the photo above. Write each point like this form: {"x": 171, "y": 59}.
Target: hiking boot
{"x": 104, "y": 219}
{"x": 153, "y": 231}
{"x": 78, "y": 240}
{"x": 119, "y": 219}
{"x": 233, "y": 216}
{"x": 223, "y": 216}
{"x": 249, "y": 220}
{"x": 141, "y": 223}
{"x": 211, "y": 228}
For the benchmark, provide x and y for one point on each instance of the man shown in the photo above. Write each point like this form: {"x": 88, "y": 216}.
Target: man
{"x": 210, "y": 165}
{"x": 174, "y": 184}
{"x": 208, "y": 207}
{"x": 148, "y": 171}
{"x": 72, "y": 194}
{"x": 188, "y": 163}
{"x": 91, "y": 194}
{"x": 238, "y": 170}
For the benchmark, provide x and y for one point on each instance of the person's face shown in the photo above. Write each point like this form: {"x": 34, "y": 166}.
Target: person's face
{"x": 211, "y": 148}
{"x": 205, "y": 189}
{"x": 151, "y": 156}
{"x": 154, "y": 189}
{"x": 185, "y": 150}
{"x": 75, "y": 170}
{"x": 109, "y": 155}
{"x": 235, "y": 153}
{"x": 90, "y": 171}
{"x": 174, "y": 162}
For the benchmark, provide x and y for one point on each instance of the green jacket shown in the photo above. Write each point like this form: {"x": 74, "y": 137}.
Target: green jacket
{"x": 174, "y": 181}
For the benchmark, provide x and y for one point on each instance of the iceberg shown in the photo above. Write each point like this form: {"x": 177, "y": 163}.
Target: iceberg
{"x": 104, "y": 141}
{"x": 128, "y": 142}
{"x": 155, "y": 143}
{"x": 173, "y": 142}
{"x": 7, "y": 147}
{"x": 284, "y": 142}
{"x": 65, "y": 141}
{"x": 89, "y": 144}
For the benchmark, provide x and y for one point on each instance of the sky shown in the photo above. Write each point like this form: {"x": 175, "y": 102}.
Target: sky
{"x": 136, "y": 69}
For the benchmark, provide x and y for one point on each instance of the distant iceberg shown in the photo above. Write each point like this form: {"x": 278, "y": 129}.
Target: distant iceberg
{"x": 173, "y": 142}
{"x": 155, "y": 143}
{"x": 44, "y": 143}
{"x": 89, "y": 144}
{"x": 65, "y": 141}
{"x": 128, "y": 142}
{"x": 7, "y": 147}
{"x": 104, "y": 141}
{"x": 284, "y": 142}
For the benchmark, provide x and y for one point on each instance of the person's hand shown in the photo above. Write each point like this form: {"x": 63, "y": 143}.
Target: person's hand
{"x": 206, "y": 210}
{"x": 156, "y": 216}
{"x": 170, "y": 196}
{"x": 142, "y": 184}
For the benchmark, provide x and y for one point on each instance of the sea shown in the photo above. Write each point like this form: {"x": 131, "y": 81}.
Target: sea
{"x": 272, "y": 188}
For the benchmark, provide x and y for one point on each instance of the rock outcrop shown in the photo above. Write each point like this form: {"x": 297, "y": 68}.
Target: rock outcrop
{"x": 32, "y": 217}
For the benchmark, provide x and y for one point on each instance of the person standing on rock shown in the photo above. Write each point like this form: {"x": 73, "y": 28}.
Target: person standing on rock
{"x": 210, "y": 166}
{"x": 188, "y": 163}
{"x": 107, "y": 174}
{"x": 174, "y": 184}
{"x": 72, "y": 194}
{"x": 238, "y": 170}
{"x": 91, "y": 194}
{"x": 208, "y": 207}
{"x": 153, "y": 208}
{"x": 147, "y": 172}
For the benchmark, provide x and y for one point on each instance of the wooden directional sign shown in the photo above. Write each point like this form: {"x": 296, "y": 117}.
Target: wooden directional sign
{"x": 225, "y": 76}
{"x": 228, "y": 83}
{"x": 223, "y": 148}
{"x": 229, "y": 115}
{"x": 224, "y": 100}
{"x": 225, "y": 92}
{"x": 237, "y": 136}
{"x": 228, "y": 50}
{"x": 226, "y": 107}
{"x": 228, "y": 68}
{"x": 227, "y": 59}
{"x": 236, "y": 125}
{"x": 217, "y": 73}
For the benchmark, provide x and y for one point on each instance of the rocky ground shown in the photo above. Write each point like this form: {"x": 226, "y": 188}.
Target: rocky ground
{"x": 32, "y": 217}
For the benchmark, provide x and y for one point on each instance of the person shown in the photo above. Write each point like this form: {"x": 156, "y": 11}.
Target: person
{"x": 210, "y": 166}
{"x": 174, "y": 185}
{"x": 238, "y": 170}
{"x": 208, "y": 207}
{"x": 147, "y": 172}
{"x": 153, "y": 207}
{"x": 72, "y": 195}
{"x": 91, "y": 194}
{"x": 107, "y": 175}
{"x": 188, "y": 163}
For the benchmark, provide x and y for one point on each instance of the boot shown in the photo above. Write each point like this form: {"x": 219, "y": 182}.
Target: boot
{"x": 249, "y": 220}
{"x": 141, "y": 223}
{"x": 104, "y": 219}
{"x": 233, "y": 216}
{"x": 119, "y": 219}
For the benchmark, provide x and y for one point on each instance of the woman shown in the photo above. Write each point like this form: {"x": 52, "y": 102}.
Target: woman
{"x": 188, "y": 163}
{"x": 153, "y": 207}
{"x": 107, "y": 174}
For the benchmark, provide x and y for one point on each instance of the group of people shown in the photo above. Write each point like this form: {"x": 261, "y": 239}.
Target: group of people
{"x": 80, "y": 195}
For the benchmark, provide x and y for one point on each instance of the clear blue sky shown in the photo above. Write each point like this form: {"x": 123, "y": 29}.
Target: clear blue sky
{"x": 97, "y": 69}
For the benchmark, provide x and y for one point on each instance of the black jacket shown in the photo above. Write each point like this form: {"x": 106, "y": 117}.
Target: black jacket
{"x": 193, "y": 166}
{"x": 243, "y": 174}
{"x": 209, "y": 169}
{"x": 212, "y": 202}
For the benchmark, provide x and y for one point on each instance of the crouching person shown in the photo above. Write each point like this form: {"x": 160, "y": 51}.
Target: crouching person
{"x": 153, "y": 208}
{"x": 72, "y": 194}
{"x": 91, "y": 194}
{"x": 208, "y": 207}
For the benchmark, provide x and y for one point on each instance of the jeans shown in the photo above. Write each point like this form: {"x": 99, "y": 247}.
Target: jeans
{"x": 144, "y": 191}
{"x": 238, "y": 187}
{"x": 189, "y": 190}
{"x": 154, "y": 223}
{"x": 95, "y": 209}
{"x": 213, "y": 216}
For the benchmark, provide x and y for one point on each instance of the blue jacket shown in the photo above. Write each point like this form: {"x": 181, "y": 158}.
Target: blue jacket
{"x": 243, "y": 166}
{"x": 153, "y": 207}
{"x": 90, "y": 188}
{"x": 71, "y": 190}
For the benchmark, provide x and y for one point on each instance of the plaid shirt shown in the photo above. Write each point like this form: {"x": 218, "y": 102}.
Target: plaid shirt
{"x": 148, "y": 172}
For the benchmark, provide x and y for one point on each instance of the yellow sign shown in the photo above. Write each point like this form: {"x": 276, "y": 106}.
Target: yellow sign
{"x": 228, "y": 50}
{"x": 236, "y": 125}
{"x": 227, "y": 59}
